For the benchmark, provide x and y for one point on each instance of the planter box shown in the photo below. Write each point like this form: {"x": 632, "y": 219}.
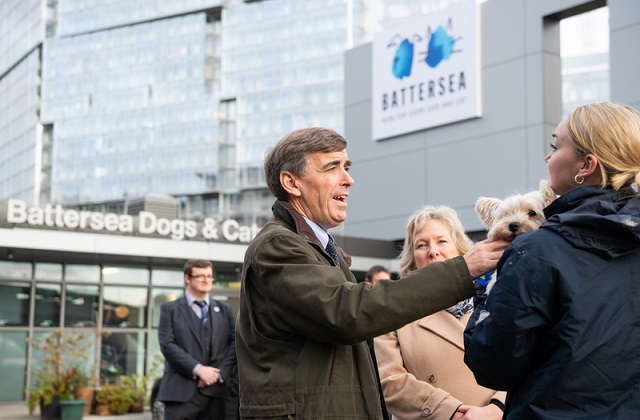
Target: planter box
{"x": 72, "y": 409}
{"x": 50, "y": 411}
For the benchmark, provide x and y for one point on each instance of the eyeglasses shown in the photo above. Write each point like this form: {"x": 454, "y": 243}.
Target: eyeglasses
{"x": 202, "y": 277}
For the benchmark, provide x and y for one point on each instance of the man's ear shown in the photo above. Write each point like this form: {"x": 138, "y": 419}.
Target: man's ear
{"x": 290, "y": 183}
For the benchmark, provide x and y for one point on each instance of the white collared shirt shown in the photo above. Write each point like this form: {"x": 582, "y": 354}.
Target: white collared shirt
{"x": 321, "y": 234}
{"x": 193, "y": 306}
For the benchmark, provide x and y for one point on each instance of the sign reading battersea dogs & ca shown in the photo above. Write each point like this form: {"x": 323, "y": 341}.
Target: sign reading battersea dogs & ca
{"x": 426, "y": 72}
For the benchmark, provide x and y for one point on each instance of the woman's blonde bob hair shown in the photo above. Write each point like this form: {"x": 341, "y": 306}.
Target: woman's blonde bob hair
{"x": 611, "y": 132}
{"x": 418, "y": 220}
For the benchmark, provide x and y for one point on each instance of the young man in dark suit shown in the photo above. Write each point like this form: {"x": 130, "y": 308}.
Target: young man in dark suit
{"x": 197, "y": 339}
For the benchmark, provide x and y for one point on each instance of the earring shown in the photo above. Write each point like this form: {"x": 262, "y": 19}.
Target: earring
{"x": 575, "y": 178}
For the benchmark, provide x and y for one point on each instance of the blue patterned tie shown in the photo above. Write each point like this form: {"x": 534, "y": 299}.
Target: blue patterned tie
{"x": 331, "y": 250}
{"x": 204, "y": 312}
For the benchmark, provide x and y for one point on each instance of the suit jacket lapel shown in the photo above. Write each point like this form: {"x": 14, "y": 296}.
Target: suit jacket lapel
{"x": 191, "y": 320}
{"x": 214, "y": 320}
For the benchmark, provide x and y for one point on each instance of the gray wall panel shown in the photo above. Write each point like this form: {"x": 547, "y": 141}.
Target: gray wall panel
{"x": 538, "y": 138}
{"x": 360, "y": 143}
{"x": 624, "y": 57}
{"x": 359, "y": 87}
{"x": 502, "y": 35}
{"x": 385, "y": 188}
{"x": 623, "y": 13}
{"x": 459, "y": 173}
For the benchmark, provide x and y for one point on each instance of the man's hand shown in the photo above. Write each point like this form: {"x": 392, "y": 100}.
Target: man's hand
{"x": 483, "y": 256}
{"x": 470, "y": 412}
{"x": 207, "y": 375}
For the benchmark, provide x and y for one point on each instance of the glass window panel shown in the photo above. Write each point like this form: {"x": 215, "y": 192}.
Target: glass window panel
{"x": 82, "y": 273}
{"x": 125, "y": 275}
{"x": 155, "y": 356}
{"x": 159, "y": 297}
{"x": 86, "y": 346}
{"x": 47, "y": 307}
{"x": 81, "y": 309}
{"x": 13, "y": 364}
{"x": 124, "y": 307}
{"x": 584, "y": 53}
{"x": 122, "y": 354}
{"x": 14, "y": 304}
{"x": 48, "y": 271}
{"x": 173, "y": 278}
{"x": 15, "y": 270}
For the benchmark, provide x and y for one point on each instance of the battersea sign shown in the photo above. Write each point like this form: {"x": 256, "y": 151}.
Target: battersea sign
{"x": 145, "y": 223}
{"x": 426, "y": 73}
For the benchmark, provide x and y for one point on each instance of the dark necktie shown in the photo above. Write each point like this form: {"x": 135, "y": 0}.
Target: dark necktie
{"x": 204, "y": 313}
{"x": 332, "y": 251}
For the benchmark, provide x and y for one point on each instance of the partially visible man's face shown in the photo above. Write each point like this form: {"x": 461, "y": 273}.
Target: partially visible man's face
{"x": 200, "y": 282}
{"x": 324, "y": 189}
{"x": 380, "y": 275}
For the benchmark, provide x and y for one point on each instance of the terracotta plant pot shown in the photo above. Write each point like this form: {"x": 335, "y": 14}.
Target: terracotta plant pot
{"x": 85, "y": 393}
{"x": 137, "y": 407}
{"x": 103, "y": 410}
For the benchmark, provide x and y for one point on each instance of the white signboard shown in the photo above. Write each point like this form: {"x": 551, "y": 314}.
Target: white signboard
{"x": 426, "y": 72}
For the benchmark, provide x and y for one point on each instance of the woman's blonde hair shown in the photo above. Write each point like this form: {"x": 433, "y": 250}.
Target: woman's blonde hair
{"x": 418, "y": 220}
{"x": 611, "y": 132}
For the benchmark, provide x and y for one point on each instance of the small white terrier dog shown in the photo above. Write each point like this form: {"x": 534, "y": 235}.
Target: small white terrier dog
{"x": 515, "y": 215}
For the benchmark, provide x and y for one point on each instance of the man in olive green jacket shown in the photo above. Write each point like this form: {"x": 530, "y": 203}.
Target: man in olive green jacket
{"x": 305, "y": 325}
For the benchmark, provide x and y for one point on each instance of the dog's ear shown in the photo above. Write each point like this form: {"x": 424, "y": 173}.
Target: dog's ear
{"x": 485, "y": 207}
{"x": 547, "y": 193}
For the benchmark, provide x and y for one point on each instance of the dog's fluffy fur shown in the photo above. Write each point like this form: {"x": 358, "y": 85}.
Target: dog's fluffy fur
{"x": 515, "y": 215}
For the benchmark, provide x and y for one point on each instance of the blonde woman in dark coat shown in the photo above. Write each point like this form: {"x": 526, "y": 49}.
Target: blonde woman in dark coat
{"x": 421, "y": 365}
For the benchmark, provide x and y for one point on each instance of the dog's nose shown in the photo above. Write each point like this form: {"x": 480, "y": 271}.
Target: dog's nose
{"x": 514, "y": 227}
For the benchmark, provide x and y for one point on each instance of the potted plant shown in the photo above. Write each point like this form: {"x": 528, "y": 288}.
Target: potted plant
{"x": 84, "y": 390}
{"x": 113, "y": 399}
{"x": 136, "y": 387}
{"x": 60, "y": 372}
{"x": 72, "y": 409}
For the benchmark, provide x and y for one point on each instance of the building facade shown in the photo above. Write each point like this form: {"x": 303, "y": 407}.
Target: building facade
{"x": 108, "y": 101}
{"x": 106, "y": 275}
{"x": 106, "y": 106}
{"x": 501, "y": 151}
{"x": 103, "y": 103}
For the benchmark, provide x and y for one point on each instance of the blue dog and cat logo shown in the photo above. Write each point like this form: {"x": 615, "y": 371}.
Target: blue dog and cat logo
{"x": 440, "y": 47}
{"x": 403, "y": 59}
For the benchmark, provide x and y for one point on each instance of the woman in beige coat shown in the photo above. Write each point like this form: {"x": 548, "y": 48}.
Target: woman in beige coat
{"x": 421, "y": 365}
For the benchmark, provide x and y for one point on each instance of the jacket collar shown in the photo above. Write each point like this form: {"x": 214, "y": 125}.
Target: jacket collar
{"x": 285, "y": 212}
{"x": 574, "y": 198}
{"x": 601, "y": 221}
{"x": 446, "y": 326}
